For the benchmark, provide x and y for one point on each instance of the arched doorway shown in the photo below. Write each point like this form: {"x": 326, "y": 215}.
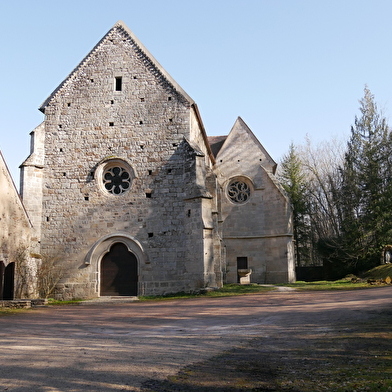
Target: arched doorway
{"x": 119, "y": 272}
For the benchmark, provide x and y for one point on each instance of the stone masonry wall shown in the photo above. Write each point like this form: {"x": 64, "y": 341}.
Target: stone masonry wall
{"x": 260, "y": 228}
{"x": 89, "y": 123}
{"x": 14, "y": 223}
{"x": 31, "y": 180}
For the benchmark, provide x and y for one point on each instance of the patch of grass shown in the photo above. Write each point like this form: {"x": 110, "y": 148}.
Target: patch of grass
{"x": 226, "y": 291}
{"x": 342, "y": 284}
{"x": 180, "y": 295}
{"x": 236, "y": 289}
{"x": 52, "y": 301}
{"x": 10, "y": 312}
{"x": 379, "y": 272}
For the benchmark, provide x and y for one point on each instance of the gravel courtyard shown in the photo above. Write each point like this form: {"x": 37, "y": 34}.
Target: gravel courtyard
{"x": 207, "y": 344}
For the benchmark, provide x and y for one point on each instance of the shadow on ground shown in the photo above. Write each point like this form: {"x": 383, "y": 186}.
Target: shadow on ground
{"x": 351, "y": 356}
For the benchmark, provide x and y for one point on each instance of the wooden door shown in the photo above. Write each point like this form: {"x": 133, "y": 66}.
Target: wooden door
{"x": 119, "y": 272}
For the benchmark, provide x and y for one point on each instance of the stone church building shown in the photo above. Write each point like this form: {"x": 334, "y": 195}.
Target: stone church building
{"x": 126, "y": 189}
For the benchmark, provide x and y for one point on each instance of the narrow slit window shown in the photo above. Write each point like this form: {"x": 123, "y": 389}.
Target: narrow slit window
{"x": 119, "y": 83}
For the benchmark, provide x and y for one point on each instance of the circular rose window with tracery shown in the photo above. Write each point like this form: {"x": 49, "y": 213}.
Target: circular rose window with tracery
{"x": 238, "y": 191}
{"x": 116, "y": 180}
{"x": 115, "y": 176}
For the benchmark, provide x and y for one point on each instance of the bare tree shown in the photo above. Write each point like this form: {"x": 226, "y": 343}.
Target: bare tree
{"x": 50, "y": 270}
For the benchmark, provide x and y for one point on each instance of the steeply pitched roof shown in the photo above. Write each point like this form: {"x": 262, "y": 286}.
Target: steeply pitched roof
{"x": 139, "y": 47}
{"x": 216, "y": 142}
{"x": 234, "y": 134}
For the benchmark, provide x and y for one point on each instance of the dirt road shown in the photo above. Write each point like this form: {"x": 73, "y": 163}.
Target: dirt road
{"x": 137, "y": 346}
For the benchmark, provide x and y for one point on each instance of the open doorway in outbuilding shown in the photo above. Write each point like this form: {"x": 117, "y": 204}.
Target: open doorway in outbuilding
{"x": 7, "y": 280}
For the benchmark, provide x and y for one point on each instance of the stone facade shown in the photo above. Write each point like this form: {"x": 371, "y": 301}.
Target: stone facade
{"x": 258, "y": 230}
{"x": 15, "y": 239}
{"x": 123, "y": 181}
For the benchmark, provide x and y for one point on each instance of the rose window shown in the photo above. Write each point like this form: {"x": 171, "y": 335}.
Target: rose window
{"x": 116, "y": 180}
{"x": 238, "y": 191}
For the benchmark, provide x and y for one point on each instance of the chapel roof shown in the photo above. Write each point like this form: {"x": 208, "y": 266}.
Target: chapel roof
{"x": 234, "y": 140}
{"x": 216, "y": 142}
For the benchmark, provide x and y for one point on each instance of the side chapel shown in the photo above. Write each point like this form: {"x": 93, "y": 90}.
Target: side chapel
{"x": 124, "y": 186}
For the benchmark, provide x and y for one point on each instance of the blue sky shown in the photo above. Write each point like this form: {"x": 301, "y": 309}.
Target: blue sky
{"x": 289, "y": 68}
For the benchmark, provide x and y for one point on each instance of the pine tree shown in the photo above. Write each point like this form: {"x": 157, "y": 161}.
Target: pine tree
{"x": 292, "y": 179}
{"x": 366, "y": 193}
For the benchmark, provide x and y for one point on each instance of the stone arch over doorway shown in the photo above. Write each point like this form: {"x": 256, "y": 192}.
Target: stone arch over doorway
{"x": 116, "y": 261}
